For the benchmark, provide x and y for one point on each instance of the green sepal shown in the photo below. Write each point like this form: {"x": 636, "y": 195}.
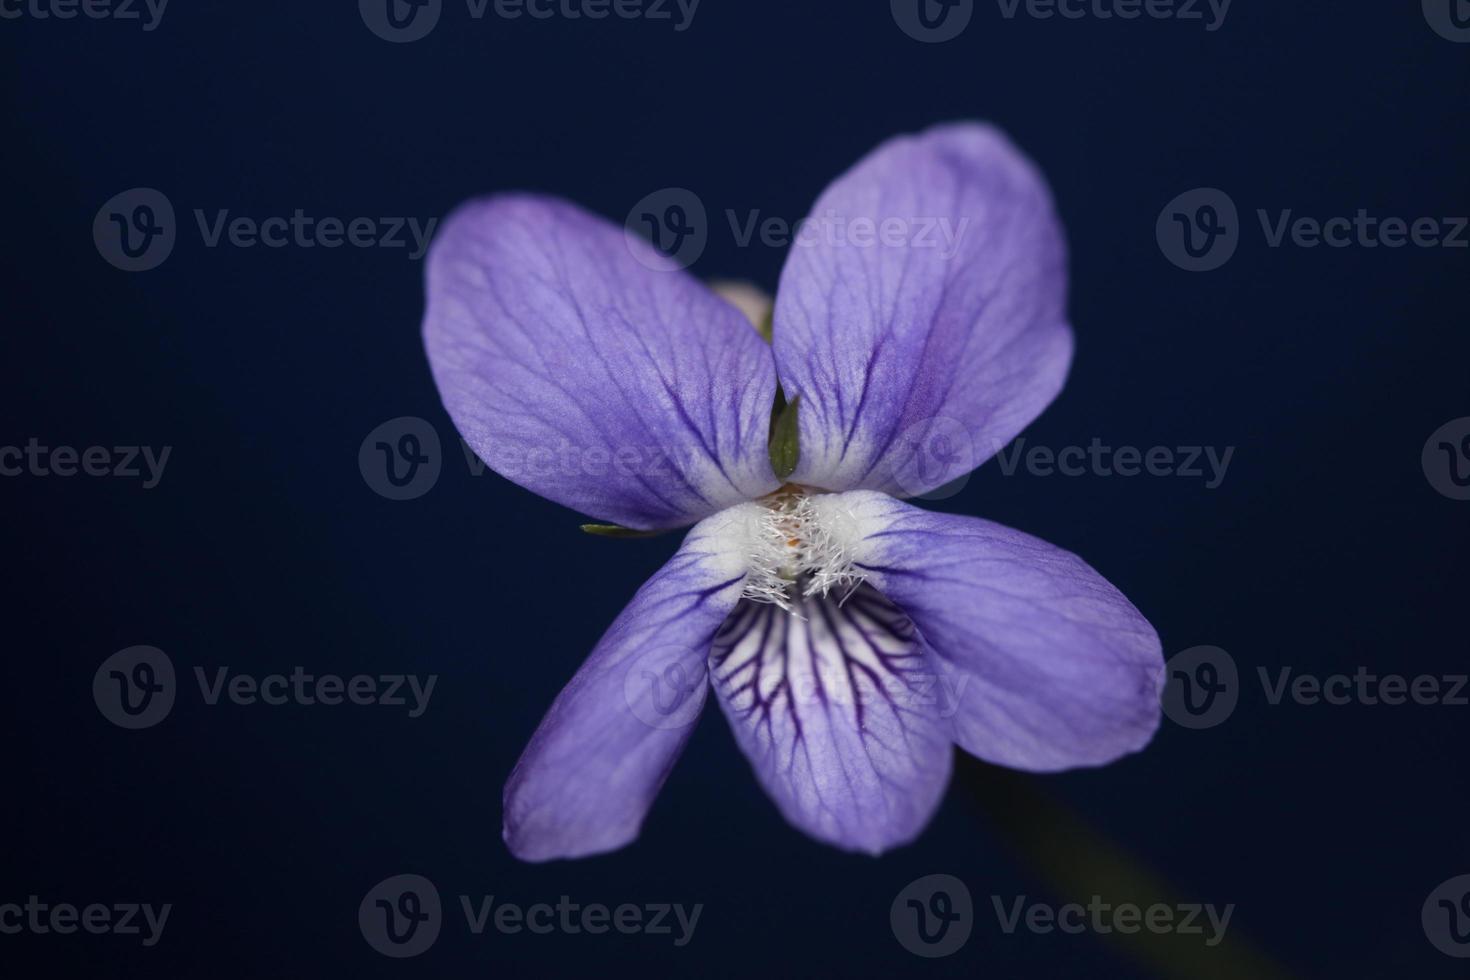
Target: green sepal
{"x": 766, "y": 328}
{"x": 785, "y": 446}
{"x": 617, "y": 531}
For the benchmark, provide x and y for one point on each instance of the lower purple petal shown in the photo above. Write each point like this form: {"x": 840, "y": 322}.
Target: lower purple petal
{"x": 1057, "y": 669}
{"x": 840, "y": 713}
{"x": 598, "y": 759}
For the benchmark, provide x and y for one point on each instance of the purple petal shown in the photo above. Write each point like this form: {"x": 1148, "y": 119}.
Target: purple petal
{"x": 840, "y": 714}
{"x": 599, "y": 757}
{"x": 919, "y": 355}
{"x": 1057, "y": 669}
{"x": 579, "y": 363}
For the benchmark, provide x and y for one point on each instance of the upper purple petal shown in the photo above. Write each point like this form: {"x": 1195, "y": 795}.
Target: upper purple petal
{"x": 920, "y": 352}
{"x": 1056, "y": 668}
{"x": 599, "y": 757}
{"x": 579, "y": 363}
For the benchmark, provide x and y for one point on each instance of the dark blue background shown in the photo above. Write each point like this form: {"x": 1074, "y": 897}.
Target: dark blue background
{"x": 263, "y": 548}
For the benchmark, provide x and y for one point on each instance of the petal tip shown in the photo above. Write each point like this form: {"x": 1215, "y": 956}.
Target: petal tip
{"x": 531, "y": 847}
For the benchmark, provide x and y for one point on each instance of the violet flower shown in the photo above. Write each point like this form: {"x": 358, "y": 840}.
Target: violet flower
{"x": 851, "y": 638}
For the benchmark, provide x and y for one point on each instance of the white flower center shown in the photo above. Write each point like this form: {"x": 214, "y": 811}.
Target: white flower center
{"x": 800, "y": 546}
